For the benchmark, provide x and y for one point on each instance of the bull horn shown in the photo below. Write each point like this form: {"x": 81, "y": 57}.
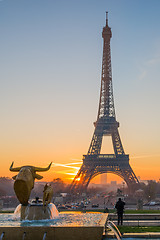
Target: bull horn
{"x": 17, "y": 169}
{"x": 38, "y": 169}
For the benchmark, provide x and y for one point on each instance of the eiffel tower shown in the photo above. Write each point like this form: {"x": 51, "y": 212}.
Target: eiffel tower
{"x": 95, "y": 163}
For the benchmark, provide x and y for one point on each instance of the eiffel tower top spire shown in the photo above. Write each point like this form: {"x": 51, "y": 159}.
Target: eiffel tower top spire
{"x": 106, "y": 103}
{"x": 106, "y": 29}
{"x": 106, "y": 18}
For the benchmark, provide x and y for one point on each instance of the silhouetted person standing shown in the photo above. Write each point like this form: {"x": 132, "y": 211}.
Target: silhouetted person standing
{"x": 120, "y": 210}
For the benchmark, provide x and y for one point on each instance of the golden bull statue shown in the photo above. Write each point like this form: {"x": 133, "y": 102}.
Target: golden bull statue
{"x": 24, "y": 180}
{"x": 47, "y": 194}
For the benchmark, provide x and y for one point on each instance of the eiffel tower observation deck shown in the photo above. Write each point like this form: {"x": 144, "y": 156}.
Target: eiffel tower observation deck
{"x": 95, "y": 163}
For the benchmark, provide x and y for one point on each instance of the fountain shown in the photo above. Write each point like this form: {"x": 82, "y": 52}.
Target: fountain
{"x": 67, "y": 226}
{"x": 36, "y": 211}
{"x": 40, "y": 219}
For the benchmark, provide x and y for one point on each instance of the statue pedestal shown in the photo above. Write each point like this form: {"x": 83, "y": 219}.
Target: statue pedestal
{"x": 35, "y": 212}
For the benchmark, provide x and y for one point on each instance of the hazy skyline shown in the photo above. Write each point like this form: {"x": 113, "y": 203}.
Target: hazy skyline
{"x": 51, "y": 55}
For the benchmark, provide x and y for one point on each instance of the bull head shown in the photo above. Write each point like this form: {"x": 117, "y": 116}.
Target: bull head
{"x": 24, "y": 180}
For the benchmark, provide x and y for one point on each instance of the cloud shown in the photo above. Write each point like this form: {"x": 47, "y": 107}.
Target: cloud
{"x": 153, "y": 61}
{"x": 77, "y": 159}
{"x": 67, "y": 173}
{"x": 142, "y": 75}
{"x": 65, "y": 165}
{"x": 146, "y": 156}
{"x": 147, "y": 66}
{"x": 74, "y": 163}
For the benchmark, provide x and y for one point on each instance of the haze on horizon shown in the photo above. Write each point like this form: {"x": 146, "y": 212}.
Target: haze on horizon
{"x": 51, "y": 55}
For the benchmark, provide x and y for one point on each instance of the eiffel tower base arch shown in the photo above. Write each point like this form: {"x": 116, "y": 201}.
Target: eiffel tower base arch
{"x": 104, "y": 163}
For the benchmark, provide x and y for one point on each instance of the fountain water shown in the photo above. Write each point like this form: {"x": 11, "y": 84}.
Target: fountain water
{"x": 38, "y": 212}
{"x": 2, "y": 235}
{"x": 17, "y": 212}
{"x": 35, "y": 212}
{"x": 24, "y": 235}
{"x": 53, "y": 210}
{"x": 44, "y": 236}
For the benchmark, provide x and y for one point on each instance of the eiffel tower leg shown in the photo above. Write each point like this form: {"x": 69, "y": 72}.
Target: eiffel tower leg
{"x": 117, "y": 144}
{"x": 88, "y": 177}
{"x": 96, "y": 142}
{"x": 82, "y": 179}
{"x": 131, "y": 180}
{"x": 129, "y": 177}
{"x": 74, "y": 182}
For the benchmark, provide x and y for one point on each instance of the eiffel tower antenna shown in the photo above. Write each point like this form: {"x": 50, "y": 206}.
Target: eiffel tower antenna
{"x": 95, "y": 163}
{"x": 106, "y": 18}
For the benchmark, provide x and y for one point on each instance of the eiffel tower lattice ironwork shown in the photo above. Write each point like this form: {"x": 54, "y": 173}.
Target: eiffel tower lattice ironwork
{"x": 95, "y": 163}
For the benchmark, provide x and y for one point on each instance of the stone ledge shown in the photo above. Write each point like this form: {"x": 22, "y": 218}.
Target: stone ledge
{"x": 52, "y": 233}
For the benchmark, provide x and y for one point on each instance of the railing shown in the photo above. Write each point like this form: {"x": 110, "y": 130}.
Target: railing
{"x": 106, "y": 156}
{"x": 109, "y": 224}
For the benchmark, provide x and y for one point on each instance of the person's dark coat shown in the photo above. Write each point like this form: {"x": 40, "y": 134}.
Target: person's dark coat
{"x": 120, "y": 206}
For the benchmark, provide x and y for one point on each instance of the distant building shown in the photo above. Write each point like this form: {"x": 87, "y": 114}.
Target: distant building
{"x": 1, "y": 204}
{"x": 58, "y": 200}
{"x": 103, "y": 178}
{"x": 146, "y": 181}
{"x": 113, "y": 183}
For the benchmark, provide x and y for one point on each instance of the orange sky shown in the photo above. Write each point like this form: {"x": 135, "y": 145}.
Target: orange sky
{"x": 67, "y": 155}
{"x": 39, "y": 144}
